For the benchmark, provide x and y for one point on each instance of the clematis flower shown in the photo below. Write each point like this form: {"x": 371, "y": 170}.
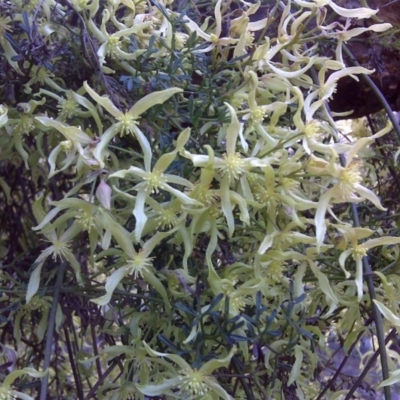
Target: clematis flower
{"x": 60, "y": 247}
{"x": 214, "y": 38}
{"x": 348, "y": 183}
{"x": 73, "y": 146}
{"x": 38, "y": 305}
{"x": 6, "y": 392}
{"x": 191, "y": 383}
{"x": 359, "y": 13}
{"x": 127, "y": 121}
{"x": 112, "y": 45}
{"x": 328, "y": 87}
{"x": 154, "y": 180}
{"x": 312, "y": 131}
{"x": 232, "y": 167}
{"x": 43, "y": 76}
{"x": 359, "y": 251}
{"x": 138, "y": 263}
{"x": 346, "y": 34}
{"x": 69, "y": 107}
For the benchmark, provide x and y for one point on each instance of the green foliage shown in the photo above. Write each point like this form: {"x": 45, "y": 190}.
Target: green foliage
{"x": 175, "y": 209}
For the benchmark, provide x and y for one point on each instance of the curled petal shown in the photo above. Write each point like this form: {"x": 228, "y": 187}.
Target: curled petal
{"x": 139, "y": 214}
{"x": 112, "y": 283}
{"x": 358, "y": 13}
{"x": 342, "y": 260}
{"x": 320, "y": 223}
{"x": 359, "y": 279}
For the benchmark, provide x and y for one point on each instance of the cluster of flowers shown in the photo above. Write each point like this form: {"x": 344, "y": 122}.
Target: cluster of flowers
{"x": 269, "y": 187}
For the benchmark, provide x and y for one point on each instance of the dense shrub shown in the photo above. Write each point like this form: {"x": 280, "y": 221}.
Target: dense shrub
{"x": 181, "y": 216}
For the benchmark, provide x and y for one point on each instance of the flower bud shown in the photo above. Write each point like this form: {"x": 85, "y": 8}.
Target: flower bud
{"x": 103, "y": 194}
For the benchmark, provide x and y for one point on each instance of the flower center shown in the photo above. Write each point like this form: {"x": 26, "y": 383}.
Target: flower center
{"x": 59, "y": 249}
{"x": 167, "y": 219}
{"x": 203, "y": 194}
{"x": 139, "y": 263}
{"x": 249, "y": 38}
{"x": 85, "y": 220}
{"x": 290, "y": 184}
{"x": 112, "y": 46}
{"x": 194, "y": 384}
{"x": 214, "y": 38}
{"x": 126, "y": 123}
{"x": 66, "y": 146}
{"x": 6, "y": 394}
{"x": 258, "y": 114}
{"x": 25, "y": 124}
{"x": 359, "y": 252}
{"x": 68, "y": 107}
{"x": 311, "y": 130}
{"x": 155, "y": 181}
{"x": 349, "y": 178}
{"x": 234, "y": 166}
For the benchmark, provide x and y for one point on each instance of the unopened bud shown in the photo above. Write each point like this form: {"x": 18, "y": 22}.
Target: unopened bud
{"x": 103, "y": 194}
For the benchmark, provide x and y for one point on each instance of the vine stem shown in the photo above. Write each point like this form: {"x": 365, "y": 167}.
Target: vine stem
{"x": 50, "y": 330}
{"x": 367, "y": 271}
{"x": 391, "y": 335}
{"x": 380, "y": 333}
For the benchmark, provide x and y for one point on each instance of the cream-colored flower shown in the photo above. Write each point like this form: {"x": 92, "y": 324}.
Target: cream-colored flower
{"x": 214, "y": 38}
{"x": 127, "y": 122}
{"x": 347, "y": 183}
{"x": 192, "y": 383}
{"x": 358, "y": 13}
{"x": 6, "y": 391}
{"x": 359, "y": 250}
{"x": 156, "y": 179}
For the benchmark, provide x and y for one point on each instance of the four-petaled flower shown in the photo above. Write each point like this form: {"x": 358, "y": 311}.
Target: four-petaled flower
{"x": 347, "y": 182}
{"x": 156, "y": 179}
{"x": 192, "y": 383}
{"x": 359, "y": 250}
{"x": 214, "y": 38}
{"x": 126, "y": 122}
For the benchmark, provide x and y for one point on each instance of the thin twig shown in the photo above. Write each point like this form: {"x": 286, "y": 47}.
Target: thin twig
{"x": 101, "y": 379}
{"x": 342, "y": 364}
{"x": 50, "y": 330}
{"x": 77, "y": 379}
{"x": 369, "y": 365}
{"x": 367, "y": 272}
{"x": 380, "y": 333}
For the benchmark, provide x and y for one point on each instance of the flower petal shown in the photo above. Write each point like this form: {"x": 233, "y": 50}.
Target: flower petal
{"x": 139, "y": 213}
{"x": 145, "y": 145}
{"x": 100, "y": 150}
{"x": 34, "y": 279}
{"x": 226, "y": 205}
{"x": 104, "y": 101}
{"x": 342, "y": 260}
{"x": 232, "y": 131}
{"x": 112, "y": 282}
{"x": 369, "y": 195}
{"x": 358, "y": 13}
{"x": 210, "y": 366}
{"x": 160, "y": 389}
{"x": 388, "y": 314}
{"x": 381, "y": 241}
{"x": 320, "y": 223}
{"x": 359, "y": 279}
{"x": 151, "y": 100}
